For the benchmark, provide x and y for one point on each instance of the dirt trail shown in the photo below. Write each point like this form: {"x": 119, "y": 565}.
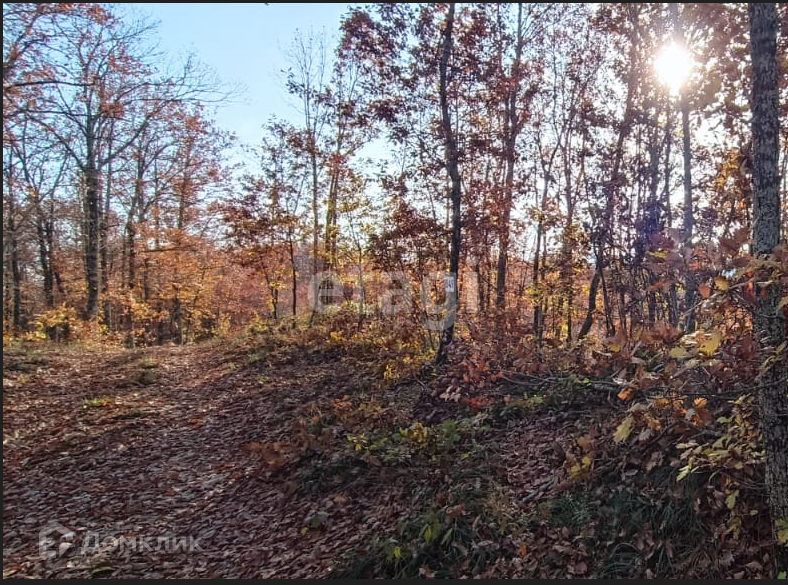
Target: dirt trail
{"x": 152, "y": 447}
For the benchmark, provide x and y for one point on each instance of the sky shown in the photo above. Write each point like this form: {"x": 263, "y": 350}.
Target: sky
{"x": 244, "y": 44}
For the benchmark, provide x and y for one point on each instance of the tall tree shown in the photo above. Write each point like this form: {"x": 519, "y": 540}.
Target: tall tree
{"x": 347, "y": 132}
{"x": 689, "y": 217}
{"x": 108, "y": 71}
{"x": 769, "y": 323}
{"x": 451, "y": 160}
{"x": 307, "y": 80}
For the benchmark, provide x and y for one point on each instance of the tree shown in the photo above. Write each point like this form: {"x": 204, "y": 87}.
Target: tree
{"x": 264, "y": 221}
{"x": 347, "y": 132}
{"x": 768, "y": 320}
{"x": 306, "y": 79}
{"x": 688, "y": 222}
{"x": 451, "y": 160}
{"x": 28, "y": 31}
{"x": 601, "y": 225}
{"x": 107, "y": 73}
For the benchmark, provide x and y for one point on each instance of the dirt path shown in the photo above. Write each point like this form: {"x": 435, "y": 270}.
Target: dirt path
{"x": 151, "y": 451}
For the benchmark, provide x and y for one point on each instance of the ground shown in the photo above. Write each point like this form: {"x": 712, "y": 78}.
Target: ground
{"x": 228, "y": 460}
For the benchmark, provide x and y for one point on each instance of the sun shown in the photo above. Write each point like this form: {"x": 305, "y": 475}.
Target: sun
{"x": 673, "y": 65}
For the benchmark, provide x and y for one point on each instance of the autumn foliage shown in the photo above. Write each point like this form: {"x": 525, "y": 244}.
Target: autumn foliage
{"x": 495, "y": 218}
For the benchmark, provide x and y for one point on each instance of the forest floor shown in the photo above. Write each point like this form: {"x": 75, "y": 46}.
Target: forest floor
{"x": 223, "y": 459}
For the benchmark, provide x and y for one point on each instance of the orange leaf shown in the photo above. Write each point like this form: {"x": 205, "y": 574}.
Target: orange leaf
{"x": 704, "y": 290}
{"x": 626, "y": 393}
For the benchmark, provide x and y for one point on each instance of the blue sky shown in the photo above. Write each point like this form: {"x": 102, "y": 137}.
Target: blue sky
{"x": 244, "y": 44}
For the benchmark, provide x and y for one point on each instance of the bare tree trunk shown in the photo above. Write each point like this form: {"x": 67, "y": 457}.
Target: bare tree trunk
{"x": 131, "y": 275}
{"x": 362, "y": 301}
{"x": 768, "y": 321}
{"x": 512, "y": 127}
{"x": 315, "y": 229}
{"x": 480, "y": 290}
{"x": 673, "y": 305}
{"x": 293, "y": 275}
{"x": 453, "y": 168}
{"x": 13, "y": 261}
{"x": 44, "y": 233}
{"x": 536, "y": 270}
{"x": 690, "y": 285}
{"x": 104, "y": 249}
{"x": 331, "y": 219}
{"x": 92, "y": 239}
{"x": 593, "y": 291}
{"x": 16, "y": 276}
{"x": 688, "y": 221}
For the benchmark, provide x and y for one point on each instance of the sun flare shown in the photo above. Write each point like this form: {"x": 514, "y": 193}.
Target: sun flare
{"x": 673, "y": 65}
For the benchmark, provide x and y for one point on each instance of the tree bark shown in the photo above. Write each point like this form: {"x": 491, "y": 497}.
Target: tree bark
{"x": 512, "y": 127}
{"x": 92, "y": 219}
{"x": 44, "y": 233}
{"x": 331, "y": 217}
{"x": 453, "y": 168}
{"x": 16, "y": 274}
{"x": 104, "y": 248}
{"x": 768, "y": 320}
{"x": 293, "y": 275}
{"x": 688, "y": 218}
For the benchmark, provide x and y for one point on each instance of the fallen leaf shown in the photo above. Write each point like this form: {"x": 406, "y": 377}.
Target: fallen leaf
{"x": 624, "y": 429}
{"x": 712, "y": 343}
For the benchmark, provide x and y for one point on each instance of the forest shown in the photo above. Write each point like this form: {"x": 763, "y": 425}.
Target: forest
{"x": 506, "y": 297}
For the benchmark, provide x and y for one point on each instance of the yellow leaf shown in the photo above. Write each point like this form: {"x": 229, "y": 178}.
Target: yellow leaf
{"x": 583, "y": 442}
{"x": 782, "y": 532}
{"x": 712, "y": 343}
{"x": 721, "y": 283}
{"x": 626, "y": 393}
{"x": 684, "y": 472}
{"x": 730, "y": 501}
{"x": 679, "y": 353}
{"x": 624, "y": 430}
{"x": 782, "y": 303}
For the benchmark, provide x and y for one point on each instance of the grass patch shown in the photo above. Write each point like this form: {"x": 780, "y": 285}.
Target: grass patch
{"x": 147, "y": 373}
{"x": 98, "y": 402}
{"x": 664, "y": 535}
{"x": 574, "y": 511}
{"x": 467, "y": 524}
